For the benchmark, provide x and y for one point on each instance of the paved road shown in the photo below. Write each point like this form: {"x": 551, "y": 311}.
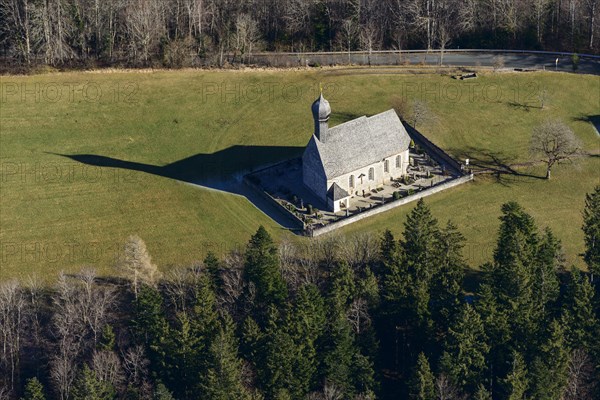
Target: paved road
{"x": 451, "y": 58}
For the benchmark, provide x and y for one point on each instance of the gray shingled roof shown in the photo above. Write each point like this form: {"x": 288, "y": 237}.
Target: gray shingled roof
{"x": 358, "y": 143}
{"x": 335, "y": 192}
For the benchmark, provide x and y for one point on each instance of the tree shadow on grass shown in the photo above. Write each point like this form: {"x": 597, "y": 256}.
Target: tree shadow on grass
{"x": 522, "y": 106}
{"x": 223, "y": 170}
{"x": 496, "y": 163}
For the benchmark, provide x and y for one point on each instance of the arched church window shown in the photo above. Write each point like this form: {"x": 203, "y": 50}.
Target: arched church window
{"x": 398, "y": 161}
{"x": 351, "y": 182}
{"x": 386, "y": 166}
{"x": 371, "y": 174}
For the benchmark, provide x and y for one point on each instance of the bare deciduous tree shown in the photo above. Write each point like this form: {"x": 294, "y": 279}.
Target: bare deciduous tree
{"x": 34, "y": 291}
{"x": 107, "y": 367}
{"x": 555, "y": 142}
{"x": 358, "y": 315}
{"x": 445, "y": 390}
{"x": 145, "y": 25}
{"x": 330, "y": 392}
{"x": 326, "y": 249}
{"x": 246, "y": 36}
{"x": 18, "y": 25}
{"x": 136, "y": 364}
{"x": 581, "y": 382}
{"x": 137, "y": 265}
{"x": 369, "y": 39}
{"x": 290, "y": 270}
{"x": 232, "y": 282}
{"x": 347, "y": 36}
{"x": 68, "y": 329}
{"x": 12, "y": 317}
{"x": 95, "y": 303}
{"x": 179, "y": 284}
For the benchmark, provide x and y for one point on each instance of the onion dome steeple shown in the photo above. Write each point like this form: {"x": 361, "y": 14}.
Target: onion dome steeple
{"x": 321, "y": 112}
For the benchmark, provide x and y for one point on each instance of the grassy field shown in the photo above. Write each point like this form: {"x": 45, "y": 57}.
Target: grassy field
{"x": 57, "y": 213}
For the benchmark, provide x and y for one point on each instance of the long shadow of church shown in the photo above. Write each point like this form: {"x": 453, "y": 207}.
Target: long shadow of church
{"x": 223, "y": 170}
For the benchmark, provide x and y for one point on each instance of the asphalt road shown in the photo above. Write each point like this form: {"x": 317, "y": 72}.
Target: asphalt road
{"x": 468, "y": 59}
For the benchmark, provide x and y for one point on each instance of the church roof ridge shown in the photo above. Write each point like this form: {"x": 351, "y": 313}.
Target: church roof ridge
{"x": 360, "y": 142}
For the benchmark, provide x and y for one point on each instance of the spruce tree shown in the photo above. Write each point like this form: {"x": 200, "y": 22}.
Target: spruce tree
{"x": 150, "y": 327}
{"x": 162, "y": 393}
{"x": 419, "y": 242}
{"x": 223, "y": 377}
{"x": 550, "y": 259}
{"x": 338, "y": 356}
{"x": 279, "y": 352}
{"x": 88, "y": 387}
{"x": 516, "y": 382}
{"x": 306, "y": 324}
{"x": 388, "y": 250}
{"x": 497, "y": 329}
{"x": 419, "y": 254}
{"x": 252, "y": 338}
{"x": 423, "y": 382}
{"x": 482, "y": 394}
{"x": 189, "y": 341}
{"x": 582, "y": 323}
{"x": 591, "y": 230}
{"x": 517, "y": 241}
{"x": 107, "y": 341}
{"x": 512, "y": 274}
{"x": 446, "y": 291}
{"x": 342, "y": 285}
{"x": 34, "y": 390}
{"x": 183, "y": 352}
{"x": 263, "y": 270}
{"x": 549, "y": 370}
{"x": 464, "y": 357}
{"x": 213, "y": 267}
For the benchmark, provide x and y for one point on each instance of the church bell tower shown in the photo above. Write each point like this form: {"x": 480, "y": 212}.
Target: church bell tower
{"x": 321, "y": 111}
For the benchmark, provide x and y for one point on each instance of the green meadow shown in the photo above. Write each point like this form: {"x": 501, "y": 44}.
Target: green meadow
{"x": 89, "y": 158}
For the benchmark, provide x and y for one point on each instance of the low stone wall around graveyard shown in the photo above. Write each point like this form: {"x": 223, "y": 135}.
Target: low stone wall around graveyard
{"x": 434, "y": 151}
{"x": 386, "y": 207}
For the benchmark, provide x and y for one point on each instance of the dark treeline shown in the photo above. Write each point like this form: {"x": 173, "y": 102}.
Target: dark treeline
{"x": 349, "y": 318}
{"x": 175, "y": 33}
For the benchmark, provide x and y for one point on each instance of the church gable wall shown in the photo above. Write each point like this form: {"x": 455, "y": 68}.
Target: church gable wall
{"x": 313, "y": 175}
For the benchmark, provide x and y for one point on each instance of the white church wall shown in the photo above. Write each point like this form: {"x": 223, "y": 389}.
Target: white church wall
{"x": 380, "y": 177}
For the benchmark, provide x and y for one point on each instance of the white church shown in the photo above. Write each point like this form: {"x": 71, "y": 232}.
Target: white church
{"x": 355, "y": 157}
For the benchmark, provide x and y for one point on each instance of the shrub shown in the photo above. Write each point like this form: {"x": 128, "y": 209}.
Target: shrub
{"x": 575, "y": 61}
{"x": 396, "y": 195}
{"x": 309, "y": 208}
{"x": 411, "y": 191}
